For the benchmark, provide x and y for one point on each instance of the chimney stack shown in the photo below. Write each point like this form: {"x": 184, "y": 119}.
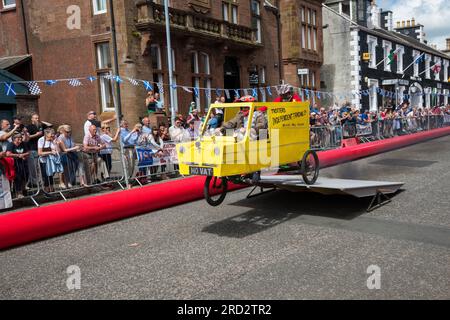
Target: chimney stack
{"x": 413, "y": 22}
{"x": 398, "y": 24}
{"x": 448, "y": 43}
{"x": 403, "y": 23}
{"x": 408, "y": 23}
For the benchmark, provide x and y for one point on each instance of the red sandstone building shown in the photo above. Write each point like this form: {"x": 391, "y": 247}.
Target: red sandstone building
{"x": 216, "y": 44}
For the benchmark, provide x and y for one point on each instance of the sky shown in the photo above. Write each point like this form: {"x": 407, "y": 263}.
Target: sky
{"x": 434, "y": 15}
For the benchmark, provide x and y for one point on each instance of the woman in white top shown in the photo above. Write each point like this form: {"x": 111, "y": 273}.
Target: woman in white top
{"x": 108, "y": 139}
{"x": 48, "y": 158}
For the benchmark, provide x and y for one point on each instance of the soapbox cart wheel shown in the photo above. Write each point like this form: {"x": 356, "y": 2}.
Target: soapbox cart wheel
{"x": 310, "y": 167}
{"x": 215, "y": 190}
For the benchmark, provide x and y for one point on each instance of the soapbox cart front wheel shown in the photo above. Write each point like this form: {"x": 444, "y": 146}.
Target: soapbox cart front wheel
{"x": 310, "y": 167}
{"x": 215, "y": 190}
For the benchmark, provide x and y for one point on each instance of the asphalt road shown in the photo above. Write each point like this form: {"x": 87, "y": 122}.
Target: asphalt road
{"x": 280, "y": 245}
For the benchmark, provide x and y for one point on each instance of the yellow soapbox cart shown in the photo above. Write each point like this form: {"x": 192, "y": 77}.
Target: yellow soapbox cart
{"x": 253, "y": 136}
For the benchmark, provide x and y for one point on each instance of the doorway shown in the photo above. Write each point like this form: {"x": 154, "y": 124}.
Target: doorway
{"x": 232, "y": 79}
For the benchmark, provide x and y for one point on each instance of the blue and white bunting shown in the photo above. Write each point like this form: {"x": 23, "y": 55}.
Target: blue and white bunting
{"x": 51, "y": 82}
{"x": 75, "y": 83}
{"x": 134, "y": 82}
{"x": 33, "y": 87}
{"x": 227, "y": 94}
{"x": 187, "y": 89}
{"x": 92, "y": 79}
{"x": 196, "y": 92}
{"x": 236, "y": 94}
{"x": 269, "y": 92}
{"x": 160, "y": 87}
{"x": 254, "y": 93}
{"x": 9, "y": 88}
{"x": 218, "y": 93}
{"x": 148, "y": 86}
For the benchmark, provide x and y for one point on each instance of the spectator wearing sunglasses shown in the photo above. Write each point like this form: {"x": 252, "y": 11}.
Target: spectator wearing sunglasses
{"x": 92, "y": 120}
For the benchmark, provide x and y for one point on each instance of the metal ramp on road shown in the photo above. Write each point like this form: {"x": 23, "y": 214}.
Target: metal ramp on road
{"x": 328, "y": 186}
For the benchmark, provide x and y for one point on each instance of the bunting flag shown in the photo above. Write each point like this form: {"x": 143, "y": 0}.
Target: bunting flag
{"x": 75, "y": 83}
{"x": 218, "y": 93}
{"x": 160, "y": 87}
{"x": 307, "y": 93}
{"x": 92, "y": 79}
{"x": 318, "y": 95}
{"x": 9, "y": 88}
{"x": 174, "y": 86}
{"x": 196, "y": 92}
{"x": 33, "y": 87}
{"x": 133, "y": 82}
{"x": 263, "y": 92}
{"x": 254, "y": 93}
{"x": 148, "y": 86}
{"x": 227, "y": 94}
{"x": 420, "y": 58}
{"x": 208, "y": 94}
{"x": 118, "y": 79}
{"x": 50, "y": 82}
{"x": 278, "y": 88}
{"x": 187, "y": 89}
{"x": 436, "y": 68}
{"x": 269, "y": 92}
{"x": 245, "y": 92}
{"x": 236, "y": 94}
{"x": 392, "y": 56}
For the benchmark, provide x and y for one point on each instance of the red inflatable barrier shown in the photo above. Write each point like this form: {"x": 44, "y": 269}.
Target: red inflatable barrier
{"x": 30, "y": 225}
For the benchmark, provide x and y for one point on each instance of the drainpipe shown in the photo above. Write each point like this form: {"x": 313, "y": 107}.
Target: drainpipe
{"x": 280, "y": 57}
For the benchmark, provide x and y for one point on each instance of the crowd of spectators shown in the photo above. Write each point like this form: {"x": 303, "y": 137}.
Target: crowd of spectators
{"x": 24, "y": 147}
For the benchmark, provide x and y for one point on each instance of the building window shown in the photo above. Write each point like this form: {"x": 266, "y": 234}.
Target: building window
{"x": 256, "y": 20}
{"x": 9, "y": 4}
{"x": 103, "y": 56}
{"x": 201, "y": 78}
{"x": 103, "y": 70}
{"x": 428, "y": 97}
{"x": 387, "y": 47}
{"x": 445, "y": 67}
{"x": 344, "y": 8}
{"x": 309, "y": 29}
{"x": 99, "y": 6}
{"x": 230, "y": 11}
{"x": 158, "y": 76}
{"x": 437, "y": 63}
{"x": 427, "y": 66}
{"x": 372, "y": 46}
{"x": 155, "y": 54}
{"x": 416, "y": 55}
{"x": 400, "y": 51}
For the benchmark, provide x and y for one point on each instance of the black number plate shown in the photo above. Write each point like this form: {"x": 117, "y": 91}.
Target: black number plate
{"x": 201, "y": 171}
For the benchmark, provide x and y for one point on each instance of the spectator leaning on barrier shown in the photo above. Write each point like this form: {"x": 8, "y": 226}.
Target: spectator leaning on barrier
{"x": 108, "y": 138}
{"x": 69, "y": 156}
{"x": 92, "y": 144}
{"x": 49, "y": 159}
{"x": 18, "y": 150}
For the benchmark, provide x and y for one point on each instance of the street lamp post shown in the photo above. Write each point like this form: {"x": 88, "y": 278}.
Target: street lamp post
{"x": 116, "y": 93}
{"x": 169, "y": 59}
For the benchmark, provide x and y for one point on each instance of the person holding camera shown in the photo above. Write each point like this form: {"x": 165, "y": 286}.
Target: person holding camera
{"x": 6, "y": 133}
